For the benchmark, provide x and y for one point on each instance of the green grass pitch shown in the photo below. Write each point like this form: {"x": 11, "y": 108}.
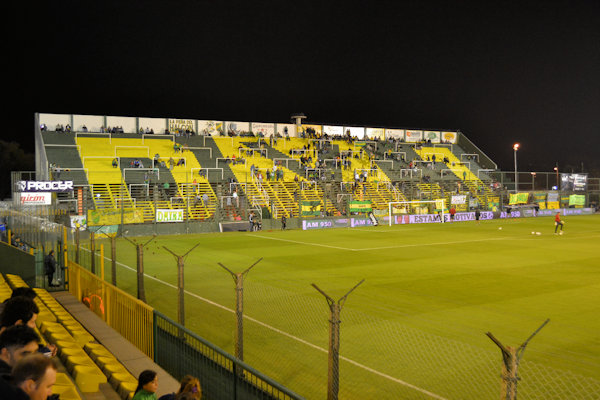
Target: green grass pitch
{"x": 416, "y": 327}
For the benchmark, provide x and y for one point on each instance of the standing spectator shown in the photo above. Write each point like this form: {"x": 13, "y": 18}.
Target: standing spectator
{"x": 283, "y": 222}
{"x": 452, "y": 212}
{"x": 50, "y": 267}
{"x": 147, "y": 386}
{"x": 236, "y": 198}
{"x": 251, "y": 221}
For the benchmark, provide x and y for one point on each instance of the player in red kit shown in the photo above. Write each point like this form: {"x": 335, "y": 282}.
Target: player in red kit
{"x": 557, "y": 223}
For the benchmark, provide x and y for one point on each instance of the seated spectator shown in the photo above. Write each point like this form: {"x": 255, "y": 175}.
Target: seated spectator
{"x": 84, "y": 128}
{"x": 115, "y": 163}
{"x": 15, "y": 343}
{"x": 43, "y": 127}
{"x": 34, "y": 375}
{"x": 147, "y": 386}
{"x": 19, "y": 310}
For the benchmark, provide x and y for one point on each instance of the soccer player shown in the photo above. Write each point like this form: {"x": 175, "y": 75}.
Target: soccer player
{"x": 557, "y": 223}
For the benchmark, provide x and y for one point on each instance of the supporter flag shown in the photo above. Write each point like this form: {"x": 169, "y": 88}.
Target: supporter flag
{"x": 310, "y": 207}
{"x": 360, "y": 206}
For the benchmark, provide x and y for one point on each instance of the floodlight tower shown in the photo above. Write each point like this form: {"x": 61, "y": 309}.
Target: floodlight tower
{"x": 516, "y": 148}
{"x": 556, "y": 169}
{"x": 533, "y": 174}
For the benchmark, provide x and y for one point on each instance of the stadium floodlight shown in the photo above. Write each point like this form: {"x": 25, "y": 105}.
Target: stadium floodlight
{"x": 516, "y": 148}
{"x": 556, "y": 169}
{"x": 421, "y": 204}
{"x": 533, "y": 175}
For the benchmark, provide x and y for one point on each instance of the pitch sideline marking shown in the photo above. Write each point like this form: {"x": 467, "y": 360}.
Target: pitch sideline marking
{"x": 378, "y": 248}
{"x": 314, "y": 346}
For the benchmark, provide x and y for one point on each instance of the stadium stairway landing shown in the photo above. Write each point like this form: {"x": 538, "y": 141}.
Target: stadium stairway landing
{"x": 132, "y": 358}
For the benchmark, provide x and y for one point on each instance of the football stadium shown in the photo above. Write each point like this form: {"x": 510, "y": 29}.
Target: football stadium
{"x": 299, "y": 260}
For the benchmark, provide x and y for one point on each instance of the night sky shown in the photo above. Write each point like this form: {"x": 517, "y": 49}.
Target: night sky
{"x": 500, "y": 71}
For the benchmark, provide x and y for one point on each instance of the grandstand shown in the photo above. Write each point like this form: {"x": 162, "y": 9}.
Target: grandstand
{"x": 143, "y": 173}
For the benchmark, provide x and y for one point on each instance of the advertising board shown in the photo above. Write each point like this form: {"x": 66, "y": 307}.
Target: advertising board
{"x": 36, "y": 199}
{"x": 168, "y": 215}
{"x": 44, "y": 186}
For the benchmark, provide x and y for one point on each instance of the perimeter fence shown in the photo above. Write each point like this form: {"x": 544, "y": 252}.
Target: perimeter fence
{"x": 286, "y": 337}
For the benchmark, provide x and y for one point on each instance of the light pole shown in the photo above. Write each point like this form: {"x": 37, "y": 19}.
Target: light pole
{"x": 556, "y": 169}
{"x": 533, "y": 174}
{"x": 516, "y": 148}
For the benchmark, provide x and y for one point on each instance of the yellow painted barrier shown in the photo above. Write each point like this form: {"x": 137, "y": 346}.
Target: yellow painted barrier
{"x": 131, "y": 317}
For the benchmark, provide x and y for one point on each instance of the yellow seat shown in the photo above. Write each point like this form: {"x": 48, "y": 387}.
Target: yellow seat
{"x": 115, "y": 367}
{"x": 118, "y": 378}
{"x": 101, "y": 361}
{"x": 67, "y": 352}
{"x": 126, "y": 389}
{"x": 63, "y": 337}
{"x": 49, "y": 326}
{"x": 66, "y": 392}
{"x": 82, "y": 336}
{"x": 88, "y": 378}
{"x": 72, "y": 361}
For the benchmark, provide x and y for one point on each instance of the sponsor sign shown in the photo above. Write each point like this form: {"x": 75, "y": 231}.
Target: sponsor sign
{"x": 324, "y": 223}
{"x": 333, "y": 130}
{"x": 354, "y": 222}
{"x": 36, "y": 199}
{"x": 169, "y": 215}
{"x": 209, "y": 127}
{"x": 394, "y": 133}
{"x": 449, "y": 137}
{"x": 359, "y": 132}
{"x": 44, "y": 186}
{"x": 433, "y": 136}
{"x": 373, "y": 133}
{"x": 413, "y": 136}
{"x": 574, "y": 182}
{"x": 236, "y": 127}
{"x": 181, "y": 125}
{"x": 264, "y": 128}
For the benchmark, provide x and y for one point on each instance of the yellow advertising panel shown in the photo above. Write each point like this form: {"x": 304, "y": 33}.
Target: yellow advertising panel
{"x": 113, "y": 217}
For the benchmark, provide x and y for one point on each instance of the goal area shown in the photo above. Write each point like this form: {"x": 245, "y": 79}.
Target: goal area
{"x": 419, "y": 207}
